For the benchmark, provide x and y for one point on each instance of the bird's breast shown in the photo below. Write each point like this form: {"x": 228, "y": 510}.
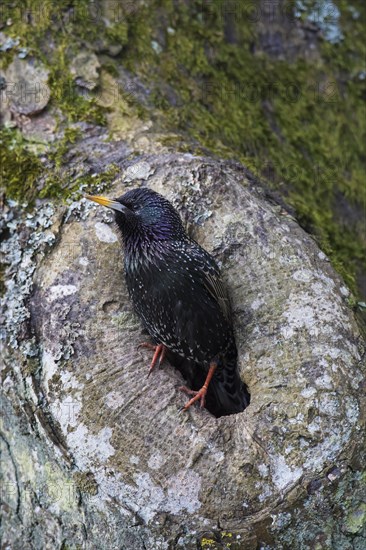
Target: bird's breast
{"x": 176, "y": 308}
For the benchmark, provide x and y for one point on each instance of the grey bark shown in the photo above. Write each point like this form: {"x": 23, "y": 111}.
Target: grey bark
{"x": 95, "y": 455}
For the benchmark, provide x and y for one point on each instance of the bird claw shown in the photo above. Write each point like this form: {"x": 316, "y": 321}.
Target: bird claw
{"x": 200, "y": 394}
{"x": 197, "y": 395}
{"x": 159, "y": 353}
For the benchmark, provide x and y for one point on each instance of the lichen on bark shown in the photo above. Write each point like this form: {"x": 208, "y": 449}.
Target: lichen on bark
{"x": 94, "y": 456}
{"x": 125, "y": 451}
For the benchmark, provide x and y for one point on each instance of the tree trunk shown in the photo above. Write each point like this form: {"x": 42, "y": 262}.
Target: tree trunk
{"x": 96, "y": 455}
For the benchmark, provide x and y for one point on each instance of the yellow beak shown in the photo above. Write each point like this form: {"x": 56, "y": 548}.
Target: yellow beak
{"x": 115, "y": 205}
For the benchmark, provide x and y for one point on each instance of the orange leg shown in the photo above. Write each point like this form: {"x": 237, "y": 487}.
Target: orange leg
{"x": 159, "y": 350}
{"x": 200, "y": 394}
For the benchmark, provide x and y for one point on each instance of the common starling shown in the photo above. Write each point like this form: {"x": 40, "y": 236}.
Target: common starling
{"x": 177, "y": 291}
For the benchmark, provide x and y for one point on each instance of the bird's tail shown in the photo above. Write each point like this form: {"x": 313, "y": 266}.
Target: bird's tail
{"x": 227, "y": 394}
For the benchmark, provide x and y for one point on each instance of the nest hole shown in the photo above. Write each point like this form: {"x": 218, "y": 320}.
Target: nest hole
{"x": 217, "y": 403}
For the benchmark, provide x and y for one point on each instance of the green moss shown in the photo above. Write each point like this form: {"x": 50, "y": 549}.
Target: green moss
{"x": 117, "y": 33}
{"x": 223, "y": 540}
{"x": 64, "y": 25}
{"x": 20, "y": 168}
{"x": 70, "y": 137}
{"x": 111, "y": 68}
{"x": 38, "y": 22}
{"x": 25, "y": 177}
{"x": 58, "y": 185}
{"x": 66, "y": 95}
{"x": 356, "y": 520}
{"x": 298, "y": 124}
{"x": 6, "y": 58}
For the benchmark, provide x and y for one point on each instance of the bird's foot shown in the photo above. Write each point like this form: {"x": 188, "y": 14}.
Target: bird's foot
{"x": 200, "y": 394}
{"x": 159, "y": 354}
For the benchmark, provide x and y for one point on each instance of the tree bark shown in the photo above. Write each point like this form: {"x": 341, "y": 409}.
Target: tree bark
{"x": 95, "y": 455}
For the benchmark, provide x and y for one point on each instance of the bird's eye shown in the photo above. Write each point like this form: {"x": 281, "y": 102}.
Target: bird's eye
{"x": 129, "y": 205}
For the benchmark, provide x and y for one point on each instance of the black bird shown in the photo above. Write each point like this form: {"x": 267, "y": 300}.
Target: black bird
{"x": 177, "y": 291}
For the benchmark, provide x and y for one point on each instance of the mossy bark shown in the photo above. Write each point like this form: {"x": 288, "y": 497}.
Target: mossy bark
{"x": 279, "y": 87}
{"x": 97, "y": 455}
{"x": 93, "y": 456}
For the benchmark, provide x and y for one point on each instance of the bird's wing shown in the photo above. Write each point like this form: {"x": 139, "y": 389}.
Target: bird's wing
{"x": 187, "y": 307}
{"x": 214, "y": 284}
{"x": 211, "y": 277}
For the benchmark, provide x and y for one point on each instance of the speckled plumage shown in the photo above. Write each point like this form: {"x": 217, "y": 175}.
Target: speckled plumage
{"x": 177, "y": 290}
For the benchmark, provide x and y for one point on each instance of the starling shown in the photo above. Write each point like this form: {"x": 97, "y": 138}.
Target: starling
{"x": 177, "y": 291}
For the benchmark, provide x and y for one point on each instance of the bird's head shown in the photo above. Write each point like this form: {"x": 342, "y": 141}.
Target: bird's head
{"x": 143, "y": 212}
